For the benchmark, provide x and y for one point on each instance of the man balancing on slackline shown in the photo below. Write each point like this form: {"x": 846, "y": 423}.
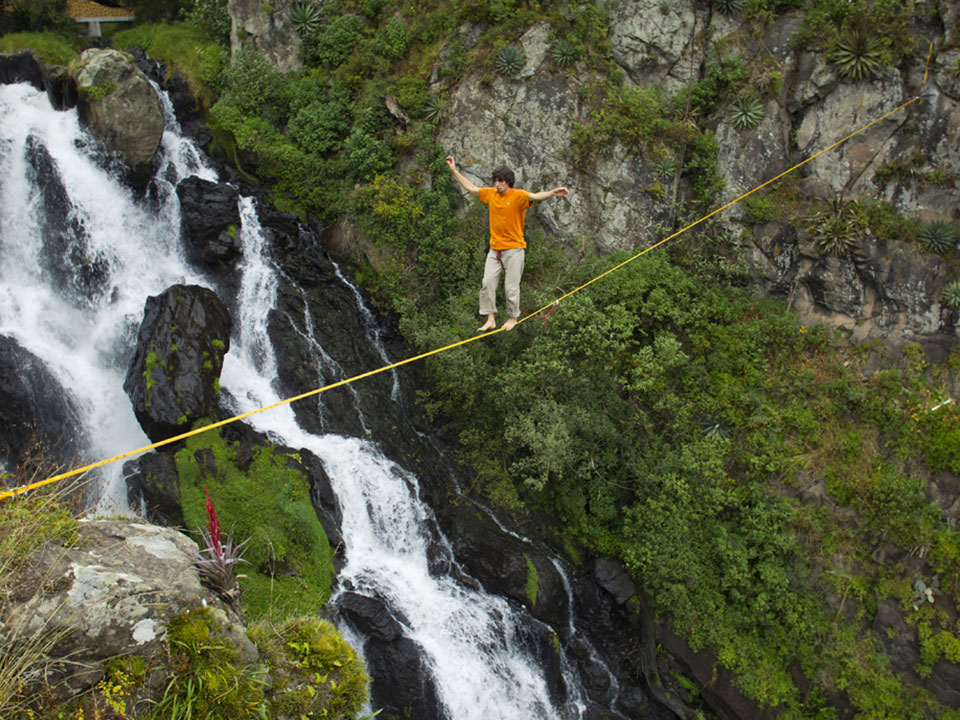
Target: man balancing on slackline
{"x": 508, "y": 207}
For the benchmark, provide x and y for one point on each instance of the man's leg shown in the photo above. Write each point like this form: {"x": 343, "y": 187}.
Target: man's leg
{"x": 488, "y": 290}
{"x": 513, "y": 265}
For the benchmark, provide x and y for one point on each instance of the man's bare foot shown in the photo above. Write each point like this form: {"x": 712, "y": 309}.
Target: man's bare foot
{"x": 490, "y": 324}
{"x": 509, "y": 324}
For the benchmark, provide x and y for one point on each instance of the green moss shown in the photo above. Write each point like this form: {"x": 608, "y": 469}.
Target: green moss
{"x": 315, "y": 671}
{"x": 207, "y": 679}
{"x": 290, "y": 567}
{"x": 533, "y": 581}
{"x": 92, "y": 93}
{"x": 150, "y": 364}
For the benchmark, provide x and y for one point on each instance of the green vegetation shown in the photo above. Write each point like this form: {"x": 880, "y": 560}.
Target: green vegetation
{"x": 315, "y": 672}
{"x": 49, "y": 47}
{"x": 185, "y": 48}
{"x": 510, "y": 60}
{"x": 27, "y": 521}
{"x": 209, "y": 680}
{"x": 290, "y": 570}
{"x": 746, "y": 113}
{"x": 938, "y": 237}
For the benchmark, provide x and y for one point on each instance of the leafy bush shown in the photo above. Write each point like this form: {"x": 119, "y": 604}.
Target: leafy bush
{"x": 335, "y": 43}
{"x": 37, "y": 16}
{"x": 391, "y": 39}
{"x": 212, "y": 19}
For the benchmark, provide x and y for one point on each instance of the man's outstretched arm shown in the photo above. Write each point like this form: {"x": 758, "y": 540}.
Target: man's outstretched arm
{"x": 544, "y": 194}
{"x": 464, "y": 183}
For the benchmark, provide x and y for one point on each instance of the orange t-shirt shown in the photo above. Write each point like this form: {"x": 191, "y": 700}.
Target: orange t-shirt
{"x": 507, "y": 213}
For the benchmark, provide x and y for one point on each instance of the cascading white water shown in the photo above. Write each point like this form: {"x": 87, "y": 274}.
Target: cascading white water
{"x": 470, "y": 639}
{"x": 87, "y": 345}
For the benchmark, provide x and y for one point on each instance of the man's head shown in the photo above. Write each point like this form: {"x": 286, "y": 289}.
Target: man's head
{"x": 503, "y": 179}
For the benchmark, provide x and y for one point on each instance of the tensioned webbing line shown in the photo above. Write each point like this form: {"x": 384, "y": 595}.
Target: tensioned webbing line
{"x": 316, "y": 391}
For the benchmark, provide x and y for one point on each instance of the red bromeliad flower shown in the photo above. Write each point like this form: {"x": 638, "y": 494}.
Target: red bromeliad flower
{"x": 213, "y": 525}
{"x": 217, "y": 559}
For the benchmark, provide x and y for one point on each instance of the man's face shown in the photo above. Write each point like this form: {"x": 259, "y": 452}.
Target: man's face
{"x": 501, "y": 186}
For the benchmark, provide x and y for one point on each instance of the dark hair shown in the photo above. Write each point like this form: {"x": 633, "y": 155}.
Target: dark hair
{"x": 506, "y": 174}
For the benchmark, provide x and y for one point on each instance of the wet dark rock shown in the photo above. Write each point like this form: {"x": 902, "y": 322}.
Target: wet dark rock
{"x": 325, "y": 502}
{"x": 173, "y": 378}
{"x": 34, "y": 407}
{"x": 401, "y": 685}
{"x": 211, "y": 223}
{"x": 21, "y": 67}
{"x": 80, "y": 273}
{"x": 614, "y": 579}
{"x": 370, "y": 616}
{"x": 153, "y": 483}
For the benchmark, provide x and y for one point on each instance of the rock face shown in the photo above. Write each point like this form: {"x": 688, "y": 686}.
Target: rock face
{"x": 120, "y": 105}
{"x": 893, "y": 295}
{"x": 173, "y": 378}
{"x": 111, "y": 595}
{"x": 266, "y": 29}
{"x": 33, "y": 407}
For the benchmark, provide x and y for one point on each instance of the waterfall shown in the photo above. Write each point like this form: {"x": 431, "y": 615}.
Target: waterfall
{"x": 79, "y": 313}
{"x": 122, "y": 250}
{"x": 470, "y": 639}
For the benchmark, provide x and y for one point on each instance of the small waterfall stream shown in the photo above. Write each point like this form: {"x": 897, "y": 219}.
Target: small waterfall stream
{"x": 471, "y": 641}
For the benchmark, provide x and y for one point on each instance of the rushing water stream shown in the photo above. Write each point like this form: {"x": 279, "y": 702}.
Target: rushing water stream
{"x": 470, "y": 640}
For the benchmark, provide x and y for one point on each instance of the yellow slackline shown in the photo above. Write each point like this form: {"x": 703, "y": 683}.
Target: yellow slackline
{"x": 86, "y": 468}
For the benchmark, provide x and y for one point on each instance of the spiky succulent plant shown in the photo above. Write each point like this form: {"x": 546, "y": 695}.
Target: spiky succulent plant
{"x": 510, "y": 60}
{"x": 746, "y": 113}
{"x": 433, "y": 109}
{"x": 563, "y": 53}
{"x": 305, "y": 15}
{"x": 715, "y": 430}
{"x": 950, "y": 297}
{"x": 839, "y": 229}
{"x": 728, "y": 7}
{"x": 218, "y": 558}
{"x": 858, "y": 57}
{"x": 938, "y": 236}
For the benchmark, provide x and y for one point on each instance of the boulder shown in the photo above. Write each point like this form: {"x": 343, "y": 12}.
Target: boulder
{"x": 210, "y": 221}
{"x": 34, "y": 407}
{"x": 154, "y": 485}
{"x": 112, "y": 593}
{"x": 173, "y": 378}
{"x": 120, "y": 105}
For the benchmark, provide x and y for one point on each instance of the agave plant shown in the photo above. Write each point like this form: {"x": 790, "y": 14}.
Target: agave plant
{"x": 433, "y": 109}
{"x": 746, "y": 113}
{"x": 950, "y": 297}
{"x": 218, "y": 558}
{"x": 859, "y": 57}
{"x": 728, "y": 7}
{"x": 563, "y": 53}
{"x": 510, "y": 60}
{"x": 715, "y": 430}
{"x": 838, "y": 231}
{"x": 938, "y": 236}
{"x": 305, "y": 15}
